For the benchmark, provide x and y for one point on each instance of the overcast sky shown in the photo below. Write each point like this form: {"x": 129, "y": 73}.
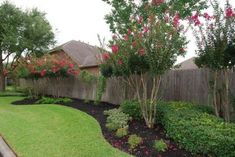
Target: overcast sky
{"x": 81, "y": 19}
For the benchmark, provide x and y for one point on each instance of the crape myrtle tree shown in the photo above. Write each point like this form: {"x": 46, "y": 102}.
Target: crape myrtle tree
{"x": 148, "y": 38}
{"x": 21, "y": 32}
{"x": 216, "y": 51}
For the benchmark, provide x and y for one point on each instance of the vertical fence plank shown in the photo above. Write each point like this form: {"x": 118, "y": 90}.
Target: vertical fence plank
{"x": 176, "y": 85}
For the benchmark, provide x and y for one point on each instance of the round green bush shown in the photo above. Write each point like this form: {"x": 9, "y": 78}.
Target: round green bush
{"x": 132, "y": 108}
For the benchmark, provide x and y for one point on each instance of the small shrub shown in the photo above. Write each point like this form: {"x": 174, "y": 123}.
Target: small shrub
{"x": 197, "y": 131}
{"x": 122, "y": 132}
{"x": 160, "y": 145}
{"x": 134, "y": 141}
{"x": 101, "y": 85}
{"x": 30, "y": 92}
{"x": 86, "y": 101}
{"x": 48, "y": 100}
{"x": 132, "y": 108}
{"x": 86, "y": 76}
{"x": 116, "y": 119}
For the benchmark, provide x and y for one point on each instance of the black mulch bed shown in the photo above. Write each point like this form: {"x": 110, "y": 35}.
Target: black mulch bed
{"x": 135, "y": 127}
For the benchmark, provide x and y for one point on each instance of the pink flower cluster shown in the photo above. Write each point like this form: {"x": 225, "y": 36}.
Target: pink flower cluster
{"x": 49, "y": 66}
{"x": 196, "y": 20}
{"x": 157, "y": 2}
{"x": 176, "y": 20}
{"x": 229, "y": 12}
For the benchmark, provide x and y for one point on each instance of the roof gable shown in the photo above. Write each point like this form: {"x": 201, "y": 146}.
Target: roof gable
{"x": 187, "y": 64}
{"x": 81, "y": 53}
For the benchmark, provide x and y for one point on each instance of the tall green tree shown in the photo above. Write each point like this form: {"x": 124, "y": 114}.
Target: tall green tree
{"x": 21, "y": 32}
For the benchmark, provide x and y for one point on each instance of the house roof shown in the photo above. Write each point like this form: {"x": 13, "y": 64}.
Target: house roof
{"x": 82, "y": 53}
{"x": 187, "y": 64}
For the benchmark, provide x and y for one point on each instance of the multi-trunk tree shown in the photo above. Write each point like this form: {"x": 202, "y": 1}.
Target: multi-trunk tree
{"x": 148, "y": 38}
{"x": 21, "y": 33}
{"x": 215, "y": 36}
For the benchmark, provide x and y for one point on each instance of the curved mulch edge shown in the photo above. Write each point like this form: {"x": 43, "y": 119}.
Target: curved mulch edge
{"x": 145, "y": 149}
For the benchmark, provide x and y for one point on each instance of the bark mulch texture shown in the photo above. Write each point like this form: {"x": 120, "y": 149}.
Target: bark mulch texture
{"x": 145, "y": 149}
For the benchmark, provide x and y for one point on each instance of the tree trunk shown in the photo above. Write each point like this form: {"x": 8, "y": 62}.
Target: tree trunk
{"x": 215, "y": 100}
{"x": 2, "y": 77}
{"x": 225, "y": 103}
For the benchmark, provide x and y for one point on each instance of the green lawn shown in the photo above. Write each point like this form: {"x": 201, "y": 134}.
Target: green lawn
{"x": 52, "y": 131}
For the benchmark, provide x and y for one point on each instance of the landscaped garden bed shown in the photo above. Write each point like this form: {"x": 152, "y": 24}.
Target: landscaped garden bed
{"x": 136, "y": 127}
{"x": 52, "y": 130}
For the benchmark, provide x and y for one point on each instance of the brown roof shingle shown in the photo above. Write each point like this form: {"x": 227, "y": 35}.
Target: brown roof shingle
{"x": 82, "y": 53}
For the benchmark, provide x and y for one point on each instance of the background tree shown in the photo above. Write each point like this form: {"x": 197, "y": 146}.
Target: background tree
{"x": 21, "y": 33}
{"x": 216, "y": 51}
{"x": 147, "y": 40}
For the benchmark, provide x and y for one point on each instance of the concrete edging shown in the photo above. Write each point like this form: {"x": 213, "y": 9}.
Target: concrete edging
{"x": 5, "y": 149}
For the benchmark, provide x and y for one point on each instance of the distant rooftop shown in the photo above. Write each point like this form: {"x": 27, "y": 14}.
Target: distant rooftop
{"x": 187, "y": 64}
{"x": 82, "y": 53}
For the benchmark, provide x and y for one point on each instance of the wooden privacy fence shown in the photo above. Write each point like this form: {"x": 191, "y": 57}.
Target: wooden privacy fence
{"x": 176, "y": 85}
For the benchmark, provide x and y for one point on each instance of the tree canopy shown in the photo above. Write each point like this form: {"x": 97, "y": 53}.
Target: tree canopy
{"x": 22, "y": 32}
{"x": 148, "y": 38}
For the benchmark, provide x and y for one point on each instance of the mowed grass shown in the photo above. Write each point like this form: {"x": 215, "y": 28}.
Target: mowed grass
{"x": 52, "y": 131}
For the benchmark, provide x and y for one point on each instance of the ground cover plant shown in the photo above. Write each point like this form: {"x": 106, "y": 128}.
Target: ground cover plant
{"x": 49, "y": 100}
{"x": 160, "y": 145}
{"x": 134, "y": 141}
{"x": 116, "y": 119}
{"x": 52, "y": 130}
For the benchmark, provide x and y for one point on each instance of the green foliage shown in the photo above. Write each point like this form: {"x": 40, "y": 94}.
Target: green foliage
{"x": 122, "y": 11}
{"x": 86, "y": 76}
{"x": 132, "y": 108}
{"x": 160, "y": 145}
{"x": 116, "y": 119}
{"x": 22, "y": 32}
{"x": 39, "y": 35}
{"x": 158, "y": 42}
{"x": 11, "y": 91}
{"x": 49, "y": 100}
{"x": 196, "y": 130}
{"x": 48, "y": 66}
{"x": 30, "y": 92}
{"x": 87, "y": 101}
{"x": 216, "y": 40}
{"x": 23, "y": 72}
{"x": 106, "y": 70}
{"x": 147, "y": 40}
{"x": 122, "y": 132}
{"x": 134, "y": 141}
{"x": 101, "y": 85}
{"x": 58, "y": 131}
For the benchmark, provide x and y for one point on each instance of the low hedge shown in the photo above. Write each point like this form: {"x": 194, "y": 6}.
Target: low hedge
{"x": 196, "y": 130}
